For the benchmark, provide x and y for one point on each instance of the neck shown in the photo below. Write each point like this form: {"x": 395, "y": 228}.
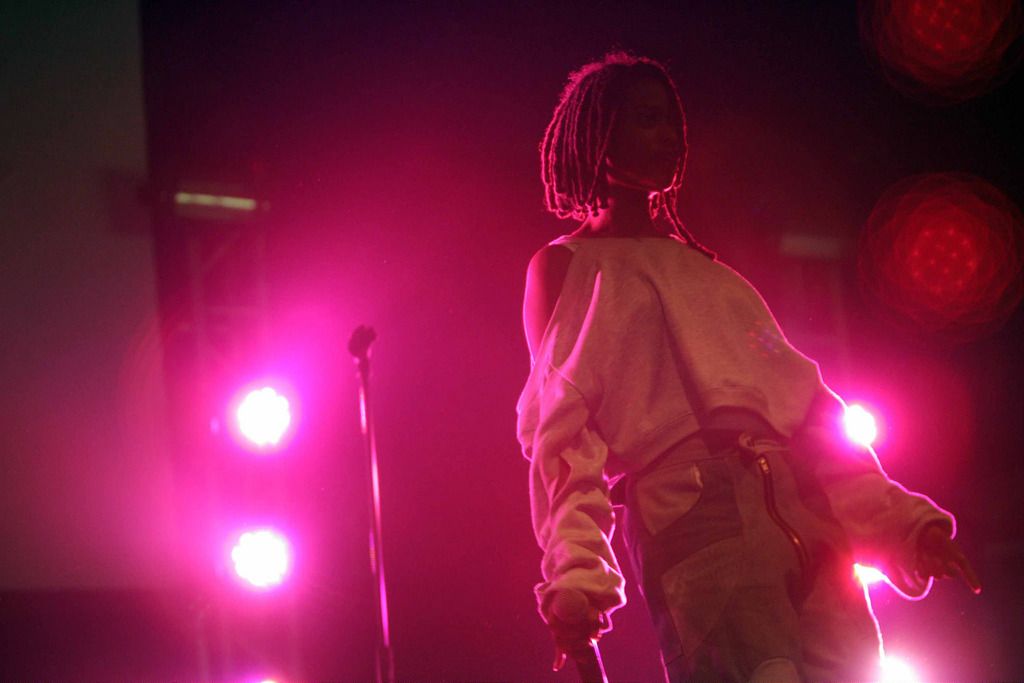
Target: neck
{"x": 627, "y": 215}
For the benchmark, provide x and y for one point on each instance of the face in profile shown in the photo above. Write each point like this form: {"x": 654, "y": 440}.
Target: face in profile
{"x": 647, "y": 139}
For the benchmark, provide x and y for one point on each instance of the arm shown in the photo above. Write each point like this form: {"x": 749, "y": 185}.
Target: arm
{"x": 572, "y": 516}
{"x": 544, "y": 278}
{"x": 904, "y": 534}
{"x": 573, "y": 519}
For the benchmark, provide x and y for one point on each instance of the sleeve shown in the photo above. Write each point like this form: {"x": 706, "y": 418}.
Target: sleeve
{"x": 573, "y": 519}
{"x": 881, "y": 518}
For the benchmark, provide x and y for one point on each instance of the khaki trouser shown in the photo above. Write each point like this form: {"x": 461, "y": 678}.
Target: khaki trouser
{"x": 744, "y": 569}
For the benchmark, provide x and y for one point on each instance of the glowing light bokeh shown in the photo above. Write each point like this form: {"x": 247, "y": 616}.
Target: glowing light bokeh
{"x": 943, "y": 51}
{"x": 943, "y": 253}
{"x": 867, "y": 575}
{"x": 261, "y": 557}
{"x": 264, "y": 417}
{"x": 224, "y": 201}
{"x": 859, "y": 425}
{"x": 896, "y": 670}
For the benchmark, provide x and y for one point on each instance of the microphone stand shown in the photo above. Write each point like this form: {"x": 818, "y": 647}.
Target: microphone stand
{"x": 359, "y": 347}
{"x": 589, "y": 666}
{"x": 570, "y": 606}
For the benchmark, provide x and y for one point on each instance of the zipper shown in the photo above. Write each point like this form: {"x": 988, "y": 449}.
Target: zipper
{"x": 773, "y": 512}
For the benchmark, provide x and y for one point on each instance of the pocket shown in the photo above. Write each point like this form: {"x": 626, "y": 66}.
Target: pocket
{"x": 667, "y": 493}
{"x": 698, "y": 589}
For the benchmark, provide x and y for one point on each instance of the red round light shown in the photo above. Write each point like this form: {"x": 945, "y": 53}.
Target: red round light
{"x": 943, "y": 50}
{"x": 944, "y": 252}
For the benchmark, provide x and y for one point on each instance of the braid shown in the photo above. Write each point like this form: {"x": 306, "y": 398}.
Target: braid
{"x": 575, "y": 143}
{"x": 669, "y": 202}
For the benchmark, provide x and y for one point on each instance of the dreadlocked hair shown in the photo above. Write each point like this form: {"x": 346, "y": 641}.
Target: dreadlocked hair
{"x": 572, "y": 153}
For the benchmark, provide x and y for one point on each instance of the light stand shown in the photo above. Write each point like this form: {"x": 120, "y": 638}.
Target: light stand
{"x": 359, "y": 347}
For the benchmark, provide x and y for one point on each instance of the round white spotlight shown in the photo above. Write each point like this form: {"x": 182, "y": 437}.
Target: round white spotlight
{"x": 263, "y": 417}
{"x": 867, "y": 575}
{"x": 896, "y": 670}
{"x": 261, "y": 558}
{"x": 860, "y": 425}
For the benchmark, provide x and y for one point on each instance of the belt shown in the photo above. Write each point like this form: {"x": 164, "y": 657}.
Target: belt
{"x": 722, "y": 430}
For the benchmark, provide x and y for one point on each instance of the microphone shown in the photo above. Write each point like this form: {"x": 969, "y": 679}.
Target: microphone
{"x": 572, "y": 607}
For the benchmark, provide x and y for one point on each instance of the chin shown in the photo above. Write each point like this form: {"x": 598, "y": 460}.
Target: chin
{"x": 664, "y": 187}
{"x": 663, "y": 182}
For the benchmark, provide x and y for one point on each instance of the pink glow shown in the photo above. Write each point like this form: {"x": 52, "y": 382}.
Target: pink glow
{"x": 261, "y": 557}
{"x": 263, "y": 417}
{"x": 896, "y": 670}
{"x": 859, "y": 425}
{"x": 867, "y": 575}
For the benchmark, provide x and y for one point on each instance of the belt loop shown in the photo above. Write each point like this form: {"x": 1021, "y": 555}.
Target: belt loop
{"x": 746, "y": 441}
{"x": 759, "y": 445}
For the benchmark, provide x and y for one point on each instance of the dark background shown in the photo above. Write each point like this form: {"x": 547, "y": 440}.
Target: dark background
{"x": 396, "y": 145}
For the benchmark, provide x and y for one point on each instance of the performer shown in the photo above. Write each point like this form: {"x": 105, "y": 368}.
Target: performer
{"x": 659, "y": 376}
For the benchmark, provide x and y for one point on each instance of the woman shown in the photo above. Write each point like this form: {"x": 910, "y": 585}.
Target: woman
{"x": 661, "y": 372}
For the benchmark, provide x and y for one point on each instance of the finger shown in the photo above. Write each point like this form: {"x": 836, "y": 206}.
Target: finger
{"x": 567, "y": 635}
{"x": 574, "y": 644}
{"x": 958, "y": 565}
{"x": 930, "y": 566}
{"x": 939, "y": 561}
{"x": 572, "y": 633}
{"x": 966, "y": 571}
{"x": 559, "y": 659}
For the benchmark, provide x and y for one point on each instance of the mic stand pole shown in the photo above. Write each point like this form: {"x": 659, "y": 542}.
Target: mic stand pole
{"x": 359, "y": 347}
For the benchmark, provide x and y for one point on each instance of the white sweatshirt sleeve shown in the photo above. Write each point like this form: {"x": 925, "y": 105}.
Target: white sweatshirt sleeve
{"x": 573, "y": 519}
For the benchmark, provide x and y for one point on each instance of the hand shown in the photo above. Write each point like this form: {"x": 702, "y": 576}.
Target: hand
{"x": 575, "y": 625}
{"x": 939, "y": 556}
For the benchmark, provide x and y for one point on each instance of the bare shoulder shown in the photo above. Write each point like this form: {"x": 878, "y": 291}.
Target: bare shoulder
{"x": 549, "y": 266}
{"x": 544, "y": 278}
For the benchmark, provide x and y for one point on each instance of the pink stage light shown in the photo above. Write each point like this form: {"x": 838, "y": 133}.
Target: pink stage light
{"x": 262, "y": 558}
{"x": 264, "y": 417}
{"x": 860, "y": 425}
{"x": 896, "y": 670}
{"x": 256, "y": 678}
{"x": 867, "y": 575}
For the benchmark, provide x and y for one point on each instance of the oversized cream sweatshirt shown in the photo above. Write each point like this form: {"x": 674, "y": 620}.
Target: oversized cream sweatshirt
{"x": 647, "y": 337}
